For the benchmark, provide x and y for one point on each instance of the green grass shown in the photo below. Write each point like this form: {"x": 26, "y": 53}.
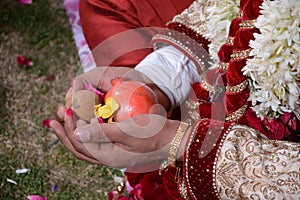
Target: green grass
{"x": 41, "y": 32}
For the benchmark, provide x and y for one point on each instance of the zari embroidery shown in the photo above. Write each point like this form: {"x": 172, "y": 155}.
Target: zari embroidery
{"x": 237, "y": 88}
{"x": 250, "y": 166}
{"x": 195, "y": 16}
{"x": 237, "y": 114}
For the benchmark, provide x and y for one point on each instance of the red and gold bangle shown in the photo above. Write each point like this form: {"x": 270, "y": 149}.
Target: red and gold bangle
{"x": 176, "y": 143}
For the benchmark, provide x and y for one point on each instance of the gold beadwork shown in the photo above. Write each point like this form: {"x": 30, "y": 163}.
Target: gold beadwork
{"x": 230, "y": 40}
{"x": 223, "y": 66}
{"x": 240, "y": 54}
{"x": 183, "y": 190}
{"x": 207, "y": 86}
{"x": 237, "y": 114}
{"x": 247, "y": 23}
{"x": 237, "y": 88}
{"x": 176, "y": 143}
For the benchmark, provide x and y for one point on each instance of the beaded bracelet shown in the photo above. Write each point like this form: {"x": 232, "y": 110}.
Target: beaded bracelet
{"x": 176, "y": 143}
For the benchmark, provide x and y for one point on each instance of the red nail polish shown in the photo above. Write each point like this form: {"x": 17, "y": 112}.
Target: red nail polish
{"x": 69, "y": 112}
{"x": 46, "y": 122}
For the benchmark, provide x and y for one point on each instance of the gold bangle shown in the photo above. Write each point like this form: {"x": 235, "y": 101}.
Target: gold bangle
{"x": 176, "y": 143}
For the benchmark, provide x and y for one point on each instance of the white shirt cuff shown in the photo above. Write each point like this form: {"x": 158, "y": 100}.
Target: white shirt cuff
{"x": 171, "y": 71}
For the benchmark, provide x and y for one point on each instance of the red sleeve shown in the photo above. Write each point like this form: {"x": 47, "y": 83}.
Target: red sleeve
{"x": 126, "y": 21}
{"x": 206, "y": 137}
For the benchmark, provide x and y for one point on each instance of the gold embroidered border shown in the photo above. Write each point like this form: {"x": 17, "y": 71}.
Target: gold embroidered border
{"x": 237, "y": 114}
{"x": 185, "y": 46}
{"x": 240, "y": 54}
{"x": 217, "y": 159}
{"x": 247, "y": 23}
{"x": 237, "y": 88}
{"x": 192, "y": 135}
{"x": 195, "y": 16}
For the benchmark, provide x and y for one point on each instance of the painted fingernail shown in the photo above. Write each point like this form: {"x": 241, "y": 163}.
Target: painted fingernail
{"x": 46, "y": 122}
{"x": 69, "y": 112}
{"x": 84, "y": 135}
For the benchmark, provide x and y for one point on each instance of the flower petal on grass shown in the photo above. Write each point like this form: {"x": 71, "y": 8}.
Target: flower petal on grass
{"x": 22, "y": 171}
{"x": 11, "y": 181}
{"x": 25, "y": 2}
{"x": 36, "y": 197}
{"x": 55, "y": 188}
{"x": 24, "y": 61}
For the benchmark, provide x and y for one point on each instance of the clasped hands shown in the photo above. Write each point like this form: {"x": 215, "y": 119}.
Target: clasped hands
{"x": 137, "y": 141}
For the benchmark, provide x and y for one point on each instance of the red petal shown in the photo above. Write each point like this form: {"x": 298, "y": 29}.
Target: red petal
{"x": 24, "y": 61}
{"x": 46, "y": 122}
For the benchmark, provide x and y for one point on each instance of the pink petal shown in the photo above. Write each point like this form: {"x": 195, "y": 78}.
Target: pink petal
{"x": 101, "y": 120}
{"x": 36, "y": 197}
{"x": 25, "y": 2}
{"x": 100, "y": 94}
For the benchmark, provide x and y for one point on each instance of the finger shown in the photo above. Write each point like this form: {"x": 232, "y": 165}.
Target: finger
{"x": 70, "y": 127}
{"x": 60, "y": 114}
{"x": 82, "y": 80}
{"x": 61, "y": 135}
{"x": 128, "y": 132}
{"x": 97, "y": 133}
{"x": 80, "y": 123}
{"x": 68, "y": 97}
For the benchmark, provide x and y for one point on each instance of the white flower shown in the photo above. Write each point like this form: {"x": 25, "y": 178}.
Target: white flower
{"x": 275, "y": 68}
{"x": 220, "y": 16}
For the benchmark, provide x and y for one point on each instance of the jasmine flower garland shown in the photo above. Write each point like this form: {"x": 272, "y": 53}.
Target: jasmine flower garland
{"x": 274, "y": 70}
{"x": 220, "y": 16}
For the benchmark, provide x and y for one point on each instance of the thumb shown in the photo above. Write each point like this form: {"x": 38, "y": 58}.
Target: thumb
{"x": 97, "y": 133}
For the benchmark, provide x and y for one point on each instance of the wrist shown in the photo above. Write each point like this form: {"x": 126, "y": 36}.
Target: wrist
{"x": 161, "y": 96}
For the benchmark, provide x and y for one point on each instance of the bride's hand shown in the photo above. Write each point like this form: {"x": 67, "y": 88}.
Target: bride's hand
{"x": 133, "y": 142}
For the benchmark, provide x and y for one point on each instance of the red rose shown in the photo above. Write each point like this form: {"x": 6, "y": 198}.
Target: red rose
{"x": 274, "y": 129}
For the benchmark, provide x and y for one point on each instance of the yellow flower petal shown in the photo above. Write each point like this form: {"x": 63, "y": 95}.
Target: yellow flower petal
{"x": 105, "y": 111}
{"x": 112, "y": 103}
{"x": 96, "y": 110}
